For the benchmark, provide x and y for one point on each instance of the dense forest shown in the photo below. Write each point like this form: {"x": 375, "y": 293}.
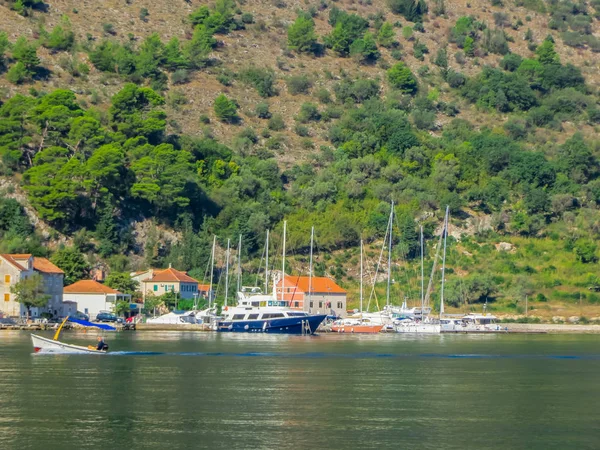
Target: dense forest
{"x": 497, "y": 119}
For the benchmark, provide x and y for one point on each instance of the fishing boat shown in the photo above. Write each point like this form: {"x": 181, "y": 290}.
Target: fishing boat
{"x": 45, "y": 345}
{"x": 258, "y": 312}
{"x": 360, "y": 322}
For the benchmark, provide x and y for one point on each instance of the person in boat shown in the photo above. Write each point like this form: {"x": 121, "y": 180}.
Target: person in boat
{"x": 101, "y": 346}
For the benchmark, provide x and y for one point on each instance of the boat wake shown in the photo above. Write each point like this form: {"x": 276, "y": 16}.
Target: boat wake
{"x": 323, "y": 355}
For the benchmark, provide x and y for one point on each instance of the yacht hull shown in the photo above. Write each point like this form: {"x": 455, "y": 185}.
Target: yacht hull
{"x": 363, "y": 329}
{"x": 286, "y": 325}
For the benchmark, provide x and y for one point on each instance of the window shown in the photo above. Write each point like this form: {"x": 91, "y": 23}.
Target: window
{"x": 253, "y": 317}
{"x": 272, "y": 316}
{"x": 155, "y": 287}
{"x": 296, "y": 304}
{"x": 6, "y": 297}
{"x": 320, "y": 304}
{"x": 7, "y": 279}
{"x": 238, "y": 316}
{"x": 340, "y": 305}
{"x": 311, "y": 304}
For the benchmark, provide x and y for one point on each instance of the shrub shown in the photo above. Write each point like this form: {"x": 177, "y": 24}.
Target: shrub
{"x": 247, "y": 18}
{"x": 224, "y": 79}
{"x": 108, "y": 28}
{"x": 263, "y": 80}
{"x": 308, "y": 112}
{"x": 276, "y": 123}
{"x": 511, "y": 62}
{"x": 298, "y": 84}
{"x": 423, "y": 120}
{"x": 400, "y": 77}
{"x": 301, "y": 130}
{"x": 180, "y": 76}
{"x": 323, "y": 95}
{"x": 412, "y": 10}
{"x": 144, "y": 13}
{"x": 262, "y": 111}
{"x": 225, "y": 109}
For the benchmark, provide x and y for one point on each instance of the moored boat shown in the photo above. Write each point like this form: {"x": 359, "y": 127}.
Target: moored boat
{"x": 260, "y": 313}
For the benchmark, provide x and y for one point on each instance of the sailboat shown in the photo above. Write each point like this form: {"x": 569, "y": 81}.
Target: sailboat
{"x": 423, "y": 324}
{"x": 359, "y": 323}
{"x": 258, "y": 312}
{"x": 45, "y": 345}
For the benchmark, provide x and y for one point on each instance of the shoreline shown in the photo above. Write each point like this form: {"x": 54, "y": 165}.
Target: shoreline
{"x": 508, "y": 328}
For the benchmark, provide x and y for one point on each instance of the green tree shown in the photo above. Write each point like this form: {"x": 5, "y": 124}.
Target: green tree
{"x": 546, "y": 53}
{"x": 174, "y": 58}
{"x": 413, "y": 10}
{"x": 225, "y": 109}
{"x": 400, "y": 77}
{"x": 26, "y": 53}
{"x": 18, "y": 73}
{"x": 30, "y": 292}
{"x": 62, "y": 37}
{"x": 301, "y": 35}
{"x": 73, "y": 264}
{"x": 441, "y": 58}
{"x": 365, "y": 49}
{"x": 386, "y": 36}
{"x": 122, "y": 282}
{"x": 199, "y": 47}
{"x": 107, "y": 234}
{"x": 4, "y": 44}
{"x": 585, "y": 250}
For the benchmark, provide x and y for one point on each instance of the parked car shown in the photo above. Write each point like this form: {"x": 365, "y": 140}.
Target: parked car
{"x": 7, "y": 321}
{"x": 106, "y": 317}
{"x": 81, "y": 316}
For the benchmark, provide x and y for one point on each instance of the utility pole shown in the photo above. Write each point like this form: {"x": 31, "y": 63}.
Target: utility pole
{"x": 227, "y": 272}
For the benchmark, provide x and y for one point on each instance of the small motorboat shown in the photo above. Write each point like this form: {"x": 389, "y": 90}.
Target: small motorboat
{"x": 45, "y": 345}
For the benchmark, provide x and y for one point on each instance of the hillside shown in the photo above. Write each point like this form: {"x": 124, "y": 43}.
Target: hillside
{"x": 132, "y": 132}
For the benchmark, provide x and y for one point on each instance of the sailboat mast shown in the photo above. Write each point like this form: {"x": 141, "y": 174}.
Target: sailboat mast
{"x": 310, "y": 269}
{"x": 227, "y": 272}
{"x": 212, "y": 267}
{"x": 283, "y": 260}
{"x": 361, "y": 277}
{"x": 422, "y": 276}
{"x": 239, "y": 266}
{"x": 267, "y": 263}
{"x": 444, "y": 261}
{"x": 390, "y": 257}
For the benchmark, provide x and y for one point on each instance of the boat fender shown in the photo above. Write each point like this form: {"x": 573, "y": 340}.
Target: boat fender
{"x": 246, "y": 327}
{"x": 226, "y": 308}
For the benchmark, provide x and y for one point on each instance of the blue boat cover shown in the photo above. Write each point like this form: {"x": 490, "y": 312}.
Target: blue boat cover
{"x": 85, "y": 323}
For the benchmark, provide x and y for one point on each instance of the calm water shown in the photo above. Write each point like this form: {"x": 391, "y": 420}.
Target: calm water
{"x": 206, "y": 390}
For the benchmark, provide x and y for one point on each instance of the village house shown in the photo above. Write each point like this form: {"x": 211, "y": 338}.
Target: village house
{"x": 158, "y": 282}
{"x": 93, "y": 297}
{"x": 16, "y": 267}
{"x": 325, "y": 296}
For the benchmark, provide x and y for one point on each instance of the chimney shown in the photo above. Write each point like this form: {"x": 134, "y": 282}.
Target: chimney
{"x": 170, "y": 266}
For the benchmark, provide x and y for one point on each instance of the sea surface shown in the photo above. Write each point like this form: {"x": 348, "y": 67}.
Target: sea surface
{"x": 226, "y": 391}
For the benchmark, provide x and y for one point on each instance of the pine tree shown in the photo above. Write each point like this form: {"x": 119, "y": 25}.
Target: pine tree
{"x": 225, "y": 109}
{"x": 301, "y": 35}
{"x": 386, "y": 35}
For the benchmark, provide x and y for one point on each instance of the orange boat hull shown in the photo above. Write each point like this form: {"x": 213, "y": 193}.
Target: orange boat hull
{"x": 356, "y": 328}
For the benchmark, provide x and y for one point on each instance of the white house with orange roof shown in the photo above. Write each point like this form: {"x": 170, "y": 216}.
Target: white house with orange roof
{"x": 319, "y": 295}
{"x": 15, "y": 267}
{"x": 93, "y": 297}
{"x": 159, "y": 282}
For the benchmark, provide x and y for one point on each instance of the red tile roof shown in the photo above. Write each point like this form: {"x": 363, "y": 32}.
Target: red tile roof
{"x": 319, "y": 284}
{"x": 45, "y": 266}
{"x": 89, "y": 287}
{"x": 12, "y": 260}
{"x": 203, "y": 287}
{"x": 171, "y": 275}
